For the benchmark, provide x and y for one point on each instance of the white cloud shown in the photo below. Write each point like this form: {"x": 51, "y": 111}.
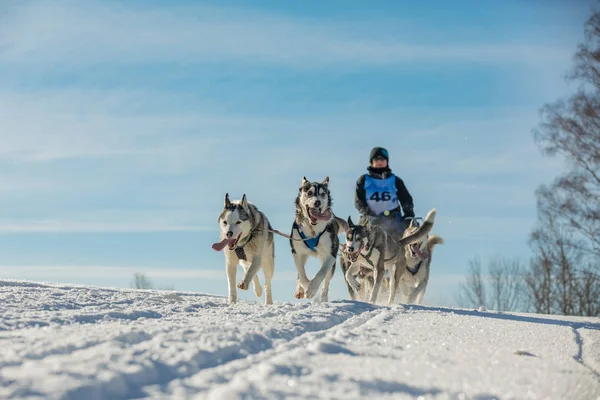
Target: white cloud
{"x": 504, "y": 161}
{"x": 125, "y": 157}
{"x": 498, "y": 229}
{"x": 86, "y": 33}
{"x": 178, "y": 217}
{"x": 93, "y": 272}
{"x": 113, "y": 226}
{"x": 488, "y": 193}
{"x": 102, "y": 271}
{"x": 12, "y": 184}
{"x": 67, "y": 124}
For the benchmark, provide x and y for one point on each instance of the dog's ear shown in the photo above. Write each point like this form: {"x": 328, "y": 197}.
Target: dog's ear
{"x": 244, "y": 201}
{"x": 227, "y": 202}
{"x": 325, "y": 181}
{"x": 304, "y": 181}
{"x": 350, "y": 223}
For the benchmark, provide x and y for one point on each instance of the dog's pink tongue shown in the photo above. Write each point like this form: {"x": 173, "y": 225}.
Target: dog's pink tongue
{"x": 325, "y": 216}
{"x": 221, "y": 245}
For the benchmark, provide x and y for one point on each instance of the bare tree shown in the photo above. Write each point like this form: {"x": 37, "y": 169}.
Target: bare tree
{"x": 560, "y": 280}
{"x": 507, "y": 284}
{"x": 502, "y": 288}
{"x": 563, "y": 276}
{"x": 571, "y": 128}
{"x": 588, "y": 292}
{"x": 141, "y": 281}
{"x": 472, "y": 292}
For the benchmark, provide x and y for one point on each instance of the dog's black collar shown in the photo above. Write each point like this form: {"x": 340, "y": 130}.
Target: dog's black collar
{"x": 239, "y": 250}
{"x": 241, "y": 253}
{"x": 368, "y": 256}
{"x": 416, "y": 269}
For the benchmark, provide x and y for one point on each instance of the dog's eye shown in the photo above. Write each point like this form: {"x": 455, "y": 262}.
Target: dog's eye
{"x": 239, "y": 222}
{"x": 224, "y": 222}
{"x": 310, "y": 193}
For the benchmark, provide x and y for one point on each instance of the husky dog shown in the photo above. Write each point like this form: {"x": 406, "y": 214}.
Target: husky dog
{"x": 371, "y": 248}
{"x": 314, "y": 234}
{"x": 247, "y": 235}
{"x": 377, "y": 252}
{"x": 418, "y": 261}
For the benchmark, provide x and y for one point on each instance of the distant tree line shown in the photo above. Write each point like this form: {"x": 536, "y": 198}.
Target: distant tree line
{"x": 141, "y": 281}
{"x": 563, "y": 276}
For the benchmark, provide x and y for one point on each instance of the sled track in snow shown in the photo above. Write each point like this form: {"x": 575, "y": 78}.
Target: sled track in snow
{"x": 127, "y": 340}
{"x": 218, "y": 367}
{"x": 70, "y": 342}
{"x": 248, "y": 369}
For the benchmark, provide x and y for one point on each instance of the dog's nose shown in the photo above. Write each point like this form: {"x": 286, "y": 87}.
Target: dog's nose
{"x": 318, "y": 203}
{"x": 229, "y": 234}
{"x": 351, "y": 249}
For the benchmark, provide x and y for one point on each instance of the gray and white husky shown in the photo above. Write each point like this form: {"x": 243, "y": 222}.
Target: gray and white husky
{"x": 414, "y": 281}
{"x": 314, "y": 234}
{"x": 246, "y": 236}
{"x": 370, "y": 251}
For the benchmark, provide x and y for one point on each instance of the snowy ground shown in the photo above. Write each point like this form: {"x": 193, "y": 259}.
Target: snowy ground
{"x": 75, "y": 342}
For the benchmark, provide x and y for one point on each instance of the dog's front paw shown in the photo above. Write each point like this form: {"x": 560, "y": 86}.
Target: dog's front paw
{"x": 242, "y": 285}
{"x": 311, "y": 291}
{"x": 257, "y": 291}
{"x": 232, "y": 300}
{"x": 299, "y": 294}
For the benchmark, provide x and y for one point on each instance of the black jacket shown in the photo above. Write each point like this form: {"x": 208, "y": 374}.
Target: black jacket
{"x": 402, "y": 194}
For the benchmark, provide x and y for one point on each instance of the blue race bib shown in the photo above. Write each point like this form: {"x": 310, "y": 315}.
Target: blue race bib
{"x": 381, "y": 194}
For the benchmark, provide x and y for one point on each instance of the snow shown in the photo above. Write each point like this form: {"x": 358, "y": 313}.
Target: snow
{"x": 76, "y": 342}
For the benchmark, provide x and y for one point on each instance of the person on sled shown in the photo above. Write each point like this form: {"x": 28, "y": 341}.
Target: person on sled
{"x": 381, "y": 197}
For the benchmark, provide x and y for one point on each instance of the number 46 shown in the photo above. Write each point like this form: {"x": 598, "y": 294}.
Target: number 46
{"x": 385, "y": 196}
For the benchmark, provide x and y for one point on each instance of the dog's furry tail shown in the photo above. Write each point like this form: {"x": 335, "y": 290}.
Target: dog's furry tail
{"x": 430, "y": 217}
{"x": 422, "y": 231}
{"x": 433, "y": 240}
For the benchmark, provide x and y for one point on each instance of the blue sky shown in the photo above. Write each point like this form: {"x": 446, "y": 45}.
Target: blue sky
{"x": 124, "y": 123}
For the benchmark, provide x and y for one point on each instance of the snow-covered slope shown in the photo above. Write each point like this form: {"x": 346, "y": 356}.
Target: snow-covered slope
{"x": 73, "y": 342}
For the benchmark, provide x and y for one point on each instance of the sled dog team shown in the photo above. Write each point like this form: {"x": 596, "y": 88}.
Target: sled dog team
{"x": 370, "y": 258}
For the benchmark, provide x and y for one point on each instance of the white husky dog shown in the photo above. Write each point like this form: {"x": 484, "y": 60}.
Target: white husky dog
{"x": 315, "y": 221}
{"x": 413, "y": 282}
{"x": 247, "y": 236}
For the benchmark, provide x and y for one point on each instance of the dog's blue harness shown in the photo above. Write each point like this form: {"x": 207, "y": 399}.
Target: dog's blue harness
{"x": 311, "y": 243}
